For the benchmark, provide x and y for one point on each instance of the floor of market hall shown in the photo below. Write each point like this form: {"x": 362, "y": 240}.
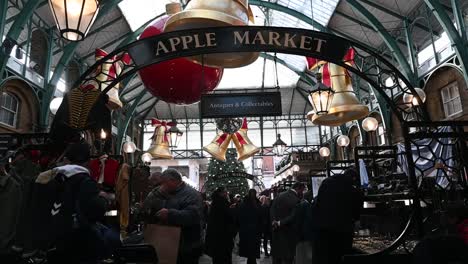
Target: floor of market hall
{"x": 237, "y": 260}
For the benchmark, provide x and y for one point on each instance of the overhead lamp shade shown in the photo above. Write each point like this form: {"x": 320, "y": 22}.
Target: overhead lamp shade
{"x": 55, "y": 104}
{"x": 146, "y": 157}
{"x": 370, "y": 124}
{"x": 324, "y": 152}
{"x": 129, "y": 147}
{"x": 410, "y": 99}
{"x": 74, "y": 18}
{"x": 342, "y": 141}
{"x": 296, "y": 168}
{"x": 279, "y": 146}
{"x": 174, "y": 135}
{"x": 321, "y": 99}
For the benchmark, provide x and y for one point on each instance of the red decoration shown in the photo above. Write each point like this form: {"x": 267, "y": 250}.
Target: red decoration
{"x": 326, "y": 78}
{"x": 178, "y": 81}
{"x": 157, "y": 123}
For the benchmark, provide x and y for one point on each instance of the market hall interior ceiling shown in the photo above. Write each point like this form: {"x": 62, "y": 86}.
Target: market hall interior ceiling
{"x": 382, "y": 25}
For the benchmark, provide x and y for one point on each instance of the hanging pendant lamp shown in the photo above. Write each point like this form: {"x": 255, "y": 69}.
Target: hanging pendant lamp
{"x": 74, "y": 18}
{"x": 345, "y": 106}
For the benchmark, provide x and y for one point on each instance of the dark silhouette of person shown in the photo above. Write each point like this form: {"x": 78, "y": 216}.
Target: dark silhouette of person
{"x": 250, "y": 227}
{"x": 335, "y": 210}
{"x": 221, "y": 228}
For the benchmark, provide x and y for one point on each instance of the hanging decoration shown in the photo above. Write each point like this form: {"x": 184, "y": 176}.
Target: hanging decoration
{"x": 74, "y": 18}
{"x": 345, "y": 106}
{"x": 219, "y": 13}
{"x": 160, "y": 141}
{"x": 235, "y": 185}
{"x": 229, "y": 125}
{"x": 179, "y": 81}
{"x": 218, "y": 147}
{"x": 83, "y": 108}
{"x": 235, "y": 131}
{"x": 108, "y": 72}
{"x": 244, "y": 146}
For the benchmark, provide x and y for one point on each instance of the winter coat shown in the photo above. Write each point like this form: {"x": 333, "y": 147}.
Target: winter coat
{"x": 10, "y": 206}
{"x": 301, "y": 220}
{"x": 337, "y": 205}
{"x": 26, "y": 172}
{"x": 221, "y": 229}
{"x": 185, "y": 210}
{"x": 285, "y": 237}
{"x": 462, "y": 230}
{"x": 250, "y": 229}
{"x": 92, "y": 206}
{"x": 266, "y": 220}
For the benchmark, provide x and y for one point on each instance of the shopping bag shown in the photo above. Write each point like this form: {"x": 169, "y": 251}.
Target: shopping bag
{"x": 165, "y": 240}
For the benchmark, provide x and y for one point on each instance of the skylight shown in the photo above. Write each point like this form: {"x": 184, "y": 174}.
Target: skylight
{"x": 138, "y": 12}
{"x": 252, "y": 76}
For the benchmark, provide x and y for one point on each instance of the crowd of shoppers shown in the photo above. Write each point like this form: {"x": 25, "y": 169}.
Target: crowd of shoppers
{"x": 298, "y": 227}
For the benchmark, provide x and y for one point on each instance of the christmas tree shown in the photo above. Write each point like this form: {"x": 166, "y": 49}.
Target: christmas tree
{"x": 216, "y": 168}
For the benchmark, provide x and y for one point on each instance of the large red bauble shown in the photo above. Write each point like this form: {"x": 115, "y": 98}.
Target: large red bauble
{"x": 178, "y": 81}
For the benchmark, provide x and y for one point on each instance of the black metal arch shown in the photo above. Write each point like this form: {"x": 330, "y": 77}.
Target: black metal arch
{"x": 376, "y": 75}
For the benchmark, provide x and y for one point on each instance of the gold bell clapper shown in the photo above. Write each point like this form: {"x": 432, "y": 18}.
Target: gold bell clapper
{"x": 345, "y": 106}
{"x": 244, "y": 146}
{"x": 215, "y": 13}
{"x": 218, "y": 147}
{"x": 160, "y": 146}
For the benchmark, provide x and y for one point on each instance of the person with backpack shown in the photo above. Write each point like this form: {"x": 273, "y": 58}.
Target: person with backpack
{"x": 69, "y": 208}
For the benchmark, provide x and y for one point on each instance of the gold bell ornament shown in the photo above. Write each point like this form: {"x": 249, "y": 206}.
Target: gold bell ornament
{"x": 244, "y": 146}
{"x": 215, "y": 13}
{"x": 218, "y": 147}
{"x": 108, "y": 72}
{"x": 160, "y": 146}
{"x": 345, "y": 106}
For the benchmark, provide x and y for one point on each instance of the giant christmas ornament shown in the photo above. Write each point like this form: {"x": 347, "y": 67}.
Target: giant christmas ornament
{"x": 160, "y": 145}
{"x": 244, "y": 146}
{"x": 215, "y": 13}
{"x": 230, "y": 131}
{"x": 107, "y": 72}
{"x": 178, "y": 81}
{"x": 345, "y": 106}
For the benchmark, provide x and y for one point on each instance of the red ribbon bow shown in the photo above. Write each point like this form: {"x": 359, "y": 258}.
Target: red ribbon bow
{"x": 117, "y": 62}
{"x": 222, "y": 138}
{"x": 239, "y": 136}
{"x": 326, "y": 78}
{"x": 158, "y": 123}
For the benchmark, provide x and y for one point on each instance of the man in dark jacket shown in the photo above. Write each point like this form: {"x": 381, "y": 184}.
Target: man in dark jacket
{"x": 176, "y": 204}
{"x": 336, "y": 208}
{"x": 284, "y": 236}
{"x": 80, "y": 202}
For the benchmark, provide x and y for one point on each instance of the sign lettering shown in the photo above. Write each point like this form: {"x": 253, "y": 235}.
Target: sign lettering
{"x": 247, "y": 104}
{"x": 192, "y": 42}
{"x": 234, "y": 175}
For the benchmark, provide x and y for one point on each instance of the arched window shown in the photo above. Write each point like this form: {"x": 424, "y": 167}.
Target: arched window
{"x": 9, "y": 109}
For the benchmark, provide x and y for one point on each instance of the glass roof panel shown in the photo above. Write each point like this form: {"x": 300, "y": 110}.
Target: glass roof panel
{"x": 138, "y": 12}
{"x": 319, "y": 10}
{"x": 251, "y": 76}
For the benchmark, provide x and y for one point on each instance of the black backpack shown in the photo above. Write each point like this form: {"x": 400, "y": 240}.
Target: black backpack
{"x": 55, "y": 205}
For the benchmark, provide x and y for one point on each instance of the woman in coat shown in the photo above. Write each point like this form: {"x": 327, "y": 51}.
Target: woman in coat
{"x": 250, "y": 227}
{"x": 221, "y": 228}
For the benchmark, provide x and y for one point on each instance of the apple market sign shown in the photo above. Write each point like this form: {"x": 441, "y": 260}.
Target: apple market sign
{"x": 237, "y": 39}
